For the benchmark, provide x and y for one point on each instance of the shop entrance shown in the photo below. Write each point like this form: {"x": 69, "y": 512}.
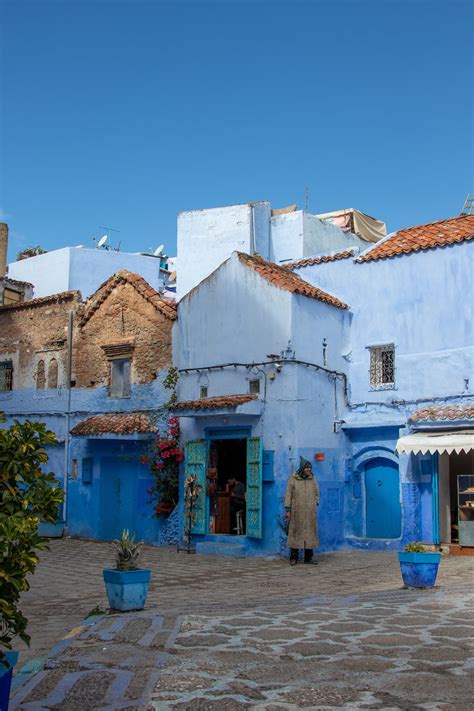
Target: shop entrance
{"x": 227, "y": 486}
{"x": 456, "y": 498}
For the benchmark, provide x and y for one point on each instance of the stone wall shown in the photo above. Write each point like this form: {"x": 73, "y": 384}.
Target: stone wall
{"x": 124, "y": 319}
{"x": 33, "y": 335}
{"x": 36, "y": 331}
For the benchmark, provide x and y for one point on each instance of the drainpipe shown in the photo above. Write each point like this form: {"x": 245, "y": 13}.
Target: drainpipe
{"x": 68, "y": 416}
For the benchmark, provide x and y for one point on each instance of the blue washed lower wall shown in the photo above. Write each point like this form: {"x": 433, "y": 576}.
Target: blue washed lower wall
{"x": 330, "y": 511}
{"x": 87, "y": 500}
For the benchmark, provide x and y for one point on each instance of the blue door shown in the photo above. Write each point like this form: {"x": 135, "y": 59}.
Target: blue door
{"x": 118, "y": 497}
{"x": 382, "y": 490}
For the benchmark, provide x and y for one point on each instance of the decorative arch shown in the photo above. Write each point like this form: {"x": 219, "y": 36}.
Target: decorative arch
{"x": 40, "y": 375}
{"x": 368, "y": 453}
{"x": 378, "y": 469}
{"x": 53, "y": 373}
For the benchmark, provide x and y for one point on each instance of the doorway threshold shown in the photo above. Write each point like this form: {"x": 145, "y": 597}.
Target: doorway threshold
{"x": 223, "y": 544}
{"x": 460, "y": 550}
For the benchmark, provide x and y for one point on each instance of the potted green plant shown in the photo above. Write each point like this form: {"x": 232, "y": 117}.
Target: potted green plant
{"x": 418, "y": 566}
{"x": 27, "y": 495}
{"x": 126, "y": 584}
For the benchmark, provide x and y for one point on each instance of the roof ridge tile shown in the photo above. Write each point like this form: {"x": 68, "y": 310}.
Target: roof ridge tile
{"x": 284, "y": 278}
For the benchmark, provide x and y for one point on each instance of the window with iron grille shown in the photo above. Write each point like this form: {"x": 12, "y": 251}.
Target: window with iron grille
{"x": 6, "y": 375}
{"x": 382, "y": 367}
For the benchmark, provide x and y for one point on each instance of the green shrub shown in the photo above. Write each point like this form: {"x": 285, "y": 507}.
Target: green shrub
{"x": 27, "y": 495}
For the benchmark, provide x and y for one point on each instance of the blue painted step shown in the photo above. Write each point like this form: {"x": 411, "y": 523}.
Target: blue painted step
{"x": 234, "y": 550}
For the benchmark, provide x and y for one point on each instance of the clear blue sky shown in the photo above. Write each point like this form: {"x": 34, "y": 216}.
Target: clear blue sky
{"x": 125, "y": 113}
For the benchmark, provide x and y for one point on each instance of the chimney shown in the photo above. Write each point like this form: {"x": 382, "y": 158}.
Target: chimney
{"x": 3, "y": 248}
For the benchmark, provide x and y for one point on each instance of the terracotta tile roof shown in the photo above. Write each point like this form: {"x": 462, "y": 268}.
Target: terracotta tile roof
{"x": 117, "y": 423}
{"x": 212, "y": 403}
{"x": 429, "y": 236}
{"x": 167, "y": 308}
{"x": 444, "y": 412}
{"x": 310, "y": 261}
{"x": 283, "y": 278}
{"x": 43, "y": 301}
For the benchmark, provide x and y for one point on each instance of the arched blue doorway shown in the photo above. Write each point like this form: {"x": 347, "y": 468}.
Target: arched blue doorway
{"x": 382, "y": 499}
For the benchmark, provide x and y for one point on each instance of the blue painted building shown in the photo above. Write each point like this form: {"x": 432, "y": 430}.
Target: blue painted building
{"x": 84, "y": 269}
{"x": 272, "y": 370}
{"x": 93, "y": 372}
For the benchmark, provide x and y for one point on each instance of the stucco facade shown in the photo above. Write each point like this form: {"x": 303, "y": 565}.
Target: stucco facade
{"x": 317, "y": 397}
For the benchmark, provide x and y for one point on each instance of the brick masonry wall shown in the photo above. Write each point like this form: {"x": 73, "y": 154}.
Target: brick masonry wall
{"x": 123, "y": 316}
{"x": 39, "y": 332}
{"x": 29, "y": 334}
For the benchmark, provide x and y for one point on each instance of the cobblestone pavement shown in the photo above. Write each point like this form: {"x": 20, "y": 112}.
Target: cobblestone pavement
{"x": 223, "y": 634}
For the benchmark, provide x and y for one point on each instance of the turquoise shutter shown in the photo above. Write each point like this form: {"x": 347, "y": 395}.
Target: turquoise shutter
{"x": 195, "y": 463}
{"x": 254, "y": 487}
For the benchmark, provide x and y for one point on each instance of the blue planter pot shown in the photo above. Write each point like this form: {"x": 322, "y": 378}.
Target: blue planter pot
{"x": 419, "y": 570}
{"x": 6, "y": 673}
{"x": 126, "y": 589}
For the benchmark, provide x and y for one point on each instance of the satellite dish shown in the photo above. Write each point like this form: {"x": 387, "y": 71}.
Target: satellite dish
{"x": 158, "y": 250}
{"x": 102, "y": 241}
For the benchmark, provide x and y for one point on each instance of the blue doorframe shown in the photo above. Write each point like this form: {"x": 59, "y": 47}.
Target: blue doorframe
{"x": 435, "y": 497}
{"x": 213, "y": 433}
{"x": 382, "y": 492}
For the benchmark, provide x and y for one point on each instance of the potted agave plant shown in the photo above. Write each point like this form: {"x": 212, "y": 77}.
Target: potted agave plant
{"x": 126, "y": 584}
{"x": 418, "y": 566}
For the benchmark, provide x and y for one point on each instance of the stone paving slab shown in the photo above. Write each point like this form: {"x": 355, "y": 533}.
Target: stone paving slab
{"x": 250, "y": 633}
{"x": 377, "y": 651}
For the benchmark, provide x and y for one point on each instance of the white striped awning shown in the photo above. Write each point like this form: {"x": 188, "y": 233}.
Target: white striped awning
{"x": 431, "y": 442}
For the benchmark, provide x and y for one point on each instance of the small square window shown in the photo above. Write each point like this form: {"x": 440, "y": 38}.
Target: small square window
{"x": 203, "y": 391}
{"x": 382, "y": 367}
{"x": 120, "y": 377}
{"x": 6, "y": 375}
{"x": 254, "y": 387}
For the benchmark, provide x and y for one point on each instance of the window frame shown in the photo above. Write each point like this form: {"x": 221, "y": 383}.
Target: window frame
{"x": 6, "y": 365}
{"x": 253, "y": 381}
{"x": 122, "y": 378}
{"x": 377, "y": 366}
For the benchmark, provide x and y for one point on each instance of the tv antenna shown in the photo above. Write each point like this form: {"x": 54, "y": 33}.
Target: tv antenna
{"x": 106, "y": 237}
{"x": 468, "y": 207}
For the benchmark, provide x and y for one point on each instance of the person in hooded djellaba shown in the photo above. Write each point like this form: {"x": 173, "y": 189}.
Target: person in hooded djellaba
{"x": 301, "y": 506}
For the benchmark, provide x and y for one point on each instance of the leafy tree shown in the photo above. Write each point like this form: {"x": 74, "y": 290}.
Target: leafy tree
{"x": 27, "y": 495}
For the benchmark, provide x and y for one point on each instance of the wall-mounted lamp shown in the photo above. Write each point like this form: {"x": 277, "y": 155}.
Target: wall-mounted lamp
{"x": 319, "y": 457}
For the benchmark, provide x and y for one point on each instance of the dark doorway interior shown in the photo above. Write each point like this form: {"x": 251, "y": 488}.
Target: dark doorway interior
{"x": 227, "y": 485}
{"x": 461, "y": 466}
